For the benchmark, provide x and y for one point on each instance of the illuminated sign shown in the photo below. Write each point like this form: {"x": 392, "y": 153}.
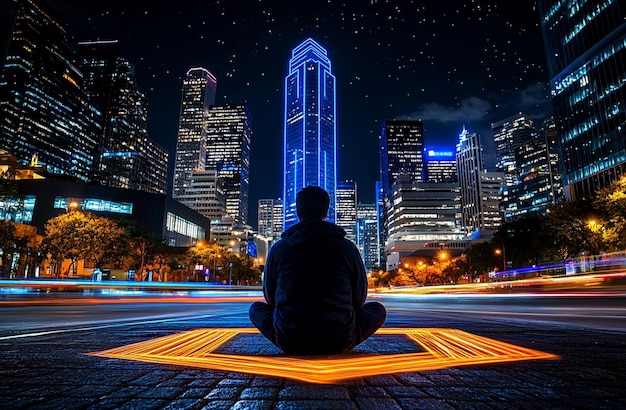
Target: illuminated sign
{"x": 446, "y": 154}
{"x": 443, "y": 348}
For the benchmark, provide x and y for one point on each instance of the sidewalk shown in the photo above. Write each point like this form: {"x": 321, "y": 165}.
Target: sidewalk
{"x": 55, "y": 372}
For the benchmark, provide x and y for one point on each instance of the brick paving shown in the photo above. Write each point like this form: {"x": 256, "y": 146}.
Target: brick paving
{"x": 53, "y": 372}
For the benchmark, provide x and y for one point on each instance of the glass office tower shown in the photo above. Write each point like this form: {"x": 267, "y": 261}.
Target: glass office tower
{"x": 127, "y": 157}
{"x": 46, "y": 118}
{"x": 310, "y": 133}
{"x": 585, "y": 43}
{"x": 228, "y": 140}
{"x": 401, "y": 151}
{"x": 198, "y": 93}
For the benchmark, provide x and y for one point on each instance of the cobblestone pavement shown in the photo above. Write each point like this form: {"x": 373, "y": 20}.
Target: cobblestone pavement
{"x": 53, "y": 371}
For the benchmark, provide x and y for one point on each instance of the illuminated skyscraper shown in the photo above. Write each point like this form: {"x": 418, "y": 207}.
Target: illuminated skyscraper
{"x": 585, "y": 44}
{"x": 198, "y": 94}
{"x": 509, "y": 134}
{"x": 45, "y": 115}
{"x": 479, "y": 189}
{"x": 401, "y": 151}
{"x": 270, "y": 217}
{"x": 310, "y": 134}
{"x": 367, "y": 234}
{"x": 346, "y": 208}
{"x": 204, "y": 195}
{"x": 228, "y": 139}
{"x": 126, "y": 157}
{"x": 440, "y": 166}
{"x": 265, "y": 211}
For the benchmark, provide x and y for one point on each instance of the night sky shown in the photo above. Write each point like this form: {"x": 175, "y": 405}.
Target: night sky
{"x": 449, "y": 62}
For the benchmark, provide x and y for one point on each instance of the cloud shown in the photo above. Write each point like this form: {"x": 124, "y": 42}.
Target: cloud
{"x": 533, "y": 101}
{"x": 470, "y": 109}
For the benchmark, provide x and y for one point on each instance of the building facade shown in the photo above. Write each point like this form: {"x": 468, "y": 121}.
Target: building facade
{"x": 585, "y": 44}
{"x": 198, "y": 93}
{"x": 440, "y": 166}
{"x": 204, "y": 195}
{"x": 45, "y": 115}
{"x": 228, "y": 140}
{"x": 126, "y": 157}
{"x": 509, "y": 134}
{"x": 310, "y": 132}
{"x": 401, "y": 147}
{"x": 367, "y": 235}
{"x": 424, "y": 217}
{"x": 480, "y": 189}
{"x": 346, "y": 208}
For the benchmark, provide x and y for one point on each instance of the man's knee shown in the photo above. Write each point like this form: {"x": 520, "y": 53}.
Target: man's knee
{"x": 375, "y": 311}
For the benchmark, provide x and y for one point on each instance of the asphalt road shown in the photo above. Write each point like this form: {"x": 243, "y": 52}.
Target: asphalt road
{"x": 27, "y": 314}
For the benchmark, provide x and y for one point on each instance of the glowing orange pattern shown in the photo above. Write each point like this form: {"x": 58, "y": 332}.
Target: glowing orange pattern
{"x": 443, "y": 348}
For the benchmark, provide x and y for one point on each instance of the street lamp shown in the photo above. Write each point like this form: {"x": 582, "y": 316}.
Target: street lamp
{"x": 502, "y": 252}
{"x": 215, "y": 266}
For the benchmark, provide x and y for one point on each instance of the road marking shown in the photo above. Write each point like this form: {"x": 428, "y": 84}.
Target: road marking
{"x": 443, "y": 348}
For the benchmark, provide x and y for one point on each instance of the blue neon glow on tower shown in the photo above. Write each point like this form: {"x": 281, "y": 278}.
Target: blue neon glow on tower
{"x": 310, "y": 132}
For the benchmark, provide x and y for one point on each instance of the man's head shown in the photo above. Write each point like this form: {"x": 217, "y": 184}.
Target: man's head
{"x": 312, "y": 202}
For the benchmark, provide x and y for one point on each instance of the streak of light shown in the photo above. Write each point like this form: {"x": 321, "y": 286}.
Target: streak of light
{"x": 443, "y": 348}
{"x": 138, "y": 299}
{"x": 122, "y": 323}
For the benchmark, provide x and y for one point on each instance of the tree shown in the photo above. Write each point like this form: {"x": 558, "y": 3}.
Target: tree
{"x": 456, "y": 269}
{"x": 611, "y": 204}
{"x": 210, "y": 256}
{"x": 568, "y": 222}
{"x": 148, "y": 250}
{"x": 7, "y": 244}
{"x": 243, "y": 270}
{"x": 80, "y": 235}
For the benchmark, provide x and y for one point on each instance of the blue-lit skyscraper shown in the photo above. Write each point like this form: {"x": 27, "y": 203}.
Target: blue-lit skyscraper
{"x": 310, "y": 132}
{"x": 585, "y": 43}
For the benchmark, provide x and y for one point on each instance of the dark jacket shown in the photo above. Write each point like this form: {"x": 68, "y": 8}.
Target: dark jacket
{"x": 315, "y": 281}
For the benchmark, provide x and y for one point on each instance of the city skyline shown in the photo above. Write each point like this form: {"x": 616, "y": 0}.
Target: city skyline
{"x": 392, "y": 61}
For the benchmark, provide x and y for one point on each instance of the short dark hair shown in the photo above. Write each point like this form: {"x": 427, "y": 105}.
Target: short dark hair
{"x": 312, "y": 202}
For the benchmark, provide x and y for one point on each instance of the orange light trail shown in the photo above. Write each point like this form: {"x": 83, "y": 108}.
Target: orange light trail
{"x": 443, "y": 348}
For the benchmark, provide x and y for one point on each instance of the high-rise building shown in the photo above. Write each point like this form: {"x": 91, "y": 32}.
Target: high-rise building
{"x": 585, "y": 44}
{"x": 310, "y": 132}
{"x": 265, "y": 218}
{"x": 45, "y": 116}
{"x": 380, "y": 222}
{"x": 425, "y": 217}
{"x": 7, "y": 22}
{"x": 228, "y": 139}
{"x": 198, "y": 93}
{"x": 539, "y": 183}
{"x": 278, "y": 221}
{"x": 401, "y": 151}
{"x": 479, "y": 202}
{"x": 509, "y": 134}
{"x": 367, "y": 234}
{"x": 270, "y": 217}
{"x": 491, "y": 217}
{"x": 126, "y": 157}
{"x": 440, "y": 166}
{"x": 346, "y": 208}
{"x": 204, "y": 194}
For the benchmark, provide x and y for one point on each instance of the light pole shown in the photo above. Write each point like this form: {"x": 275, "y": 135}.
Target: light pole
{"x": 503, "y": 253}
{"x": 215, "y": 266}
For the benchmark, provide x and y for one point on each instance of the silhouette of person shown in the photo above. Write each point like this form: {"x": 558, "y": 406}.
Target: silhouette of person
{"x": 315, "y": 286}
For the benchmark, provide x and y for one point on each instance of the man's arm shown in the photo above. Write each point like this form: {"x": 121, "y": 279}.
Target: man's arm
{"x": 269, "y": 281}
{"x": 360, "y": 281}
